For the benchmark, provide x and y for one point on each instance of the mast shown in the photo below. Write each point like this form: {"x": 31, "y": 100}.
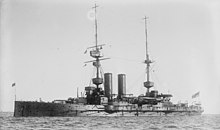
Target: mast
{"x": 147, "y": 55}
{"x": 96, "y": 54}
{"x": 148, "y": 84}
{"x": 77, "y": 92}
{"x": 96, "y": 43}
{"x": 96, "y": 31}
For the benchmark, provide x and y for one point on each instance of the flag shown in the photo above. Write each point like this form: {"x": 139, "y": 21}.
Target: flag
{"x": 195, "y": 95}
{"x": 13, "y": 85}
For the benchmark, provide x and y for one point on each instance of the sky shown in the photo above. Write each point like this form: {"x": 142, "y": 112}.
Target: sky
{"x": 42, "y": 45}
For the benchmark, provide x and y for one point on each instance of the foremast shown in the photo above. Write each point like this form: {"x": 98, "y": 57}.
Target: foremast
{"x": 95, "y": 53}
{"x": 148, "y": 84}
{"x": 94, "y": 94}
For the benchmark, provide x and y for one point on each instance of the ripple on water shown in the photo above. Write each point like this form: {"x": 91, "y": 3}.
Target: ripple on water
{"x": 171, "y": 126}
{"x": 46, "y": 123}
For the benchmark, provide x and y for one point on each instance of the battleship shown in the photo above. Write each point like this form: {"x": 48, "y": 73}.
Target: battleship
{"x": 99, "y": 99}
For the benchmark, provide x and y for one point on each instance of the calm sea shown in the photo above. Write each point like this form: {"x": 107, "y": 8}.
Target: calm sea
{"x": 7, "y": 122}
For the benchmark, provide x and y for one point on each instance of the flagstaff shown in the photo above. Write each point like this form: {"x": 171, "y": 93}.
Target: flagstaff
{"x": 13, "y": 85}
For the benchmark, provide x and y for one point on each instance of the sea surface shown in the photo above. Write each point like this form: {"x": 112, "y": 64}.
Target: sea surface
{"x": 8, "y": 122}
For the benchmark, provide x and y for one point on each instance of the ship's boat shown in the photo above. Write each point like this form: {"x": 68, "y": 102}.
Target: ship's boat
{"x": 99, "y": 101}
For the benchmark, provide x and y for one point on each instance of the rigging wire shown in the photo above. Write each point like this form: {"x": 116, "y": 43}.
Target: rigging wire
{"x": 102, "y": 73}
{"x": 125, "y": 59}
{"x": 156, "y": 78}
{"x": 136, "y": 81}
{"x": 92, "y": 75}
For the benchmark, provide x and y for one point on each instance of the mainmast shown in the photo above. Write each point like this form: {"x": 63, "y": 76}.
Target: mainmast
{"x": 148, "y": 84}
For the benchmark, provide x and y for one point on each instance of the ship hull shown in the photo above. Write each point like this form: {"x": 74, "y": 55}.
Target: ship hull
{"x": 39, "y": 109}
